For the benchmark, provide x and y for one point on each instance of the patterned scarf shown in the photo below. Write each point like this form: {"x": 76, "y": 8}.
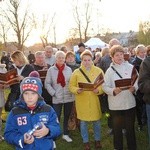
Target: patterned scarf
{"x": 61, "y": 78}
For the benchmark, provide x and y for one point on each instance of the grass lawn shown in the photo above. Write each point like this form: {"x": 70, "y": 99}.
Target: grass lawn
{"x": 142, "y": 138}
{"x": 142, "y": 142}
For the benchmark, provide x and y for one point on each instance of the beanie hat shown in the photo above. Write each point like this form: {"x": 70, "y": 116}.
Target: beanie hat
{"x": 31, "y": 84}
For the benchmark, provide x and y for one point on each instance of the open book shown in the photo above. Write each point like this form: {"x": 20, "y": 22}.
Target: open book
{"x": 9, "y": 78}
{"x": 42, "y": 74}
{"x": 125, "y": 84}
{"x": 91, "y": 86}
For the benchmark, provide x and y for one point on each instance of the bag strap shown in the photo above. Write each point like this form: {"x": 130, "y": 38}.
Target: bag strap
{"x": 116, "y": 72}
{"x": 85, "y": 75}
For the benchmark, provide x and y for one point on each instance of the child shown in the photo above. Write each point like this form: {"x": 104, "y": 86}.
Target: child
{"x": 2, "y": 99}
{"x": 28, "y": 111}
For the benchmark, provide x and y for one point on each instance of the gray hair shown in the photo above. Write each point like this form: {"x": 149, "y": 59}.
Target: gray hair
{"x": 48, "y": 48}
{"x": 59, "y": 53}
{"x": 39, "y": 53}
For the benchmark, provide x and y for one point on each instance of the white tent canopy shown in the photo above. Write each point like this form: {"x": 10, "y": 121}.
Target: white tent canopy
{"x": 93, "y": 43}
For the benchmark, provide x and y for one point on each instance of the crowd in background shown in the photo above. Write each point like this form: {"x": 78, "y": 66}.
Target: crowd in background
{"x": 60, "y": 90}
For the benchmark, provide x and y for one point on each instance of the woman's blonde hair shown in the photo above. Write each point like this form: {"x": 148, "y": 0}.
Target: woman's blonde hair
{"x": 139, "y": 48}
{"x": 19, "y": 56}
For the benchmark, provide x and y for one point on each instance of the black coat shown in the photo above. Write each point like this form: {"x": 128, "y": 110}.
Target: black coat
{"x": 137, "y": 62}
{"x": 144, "y": 79}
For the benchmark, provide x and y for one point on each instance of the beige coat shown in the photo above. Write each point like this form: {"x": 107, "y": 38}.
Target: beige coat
{"x": 87, "y": 103}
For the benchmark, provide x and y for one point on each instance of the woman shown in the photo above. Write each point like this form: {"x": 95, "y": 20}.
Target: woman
{"x": 87, "y": 102}
{"x": 23, "y": 67}
{"x": 56, "y": 83}
{"x": 121, "y": 102}
{"x": 140, "y": 51}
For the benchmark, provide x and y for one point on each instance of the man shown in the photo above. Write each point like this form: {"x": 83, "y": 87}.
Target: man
{"x": 40, "y": 64}
{"x": 49, "y": 57}
{"x": 64, "y": 49}
{"x": 78, "y": 53}
{"x": 31, "y": 57}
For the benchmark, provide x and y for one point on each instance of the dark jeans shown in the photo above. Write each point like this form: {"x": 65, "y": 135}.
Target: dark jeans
{"x": 124, "y": 119}
{"x": 140, "y": 109}
{"x": 67, "y": 110}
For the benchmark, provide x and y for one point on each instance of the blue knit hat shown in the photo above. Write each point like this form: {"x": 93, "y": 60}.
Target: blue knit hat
{"x": 31, "y": 84}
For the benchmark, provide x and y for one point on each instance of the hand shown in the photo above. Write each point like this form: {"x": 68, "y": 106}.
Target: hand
{"x": 132, "y": 89}
{"x": 80, "y": 90}
{"x": 28, "y": 139}
{"x": 96, "y": 91}
{"x": 19, "y": 78}
{"x": 116, "y": 91}
{"x": 39, "y": 133}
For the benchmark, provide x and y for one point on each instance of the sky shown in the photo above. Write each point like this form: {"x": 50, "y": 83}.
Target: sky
{"x": 117, "y": 15}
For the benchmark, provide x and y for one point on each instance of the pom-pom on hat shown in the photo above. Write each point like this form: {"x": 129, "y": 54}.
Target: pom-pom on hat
{"x": 31, "y": 84}
{"x": 34, "y": 74}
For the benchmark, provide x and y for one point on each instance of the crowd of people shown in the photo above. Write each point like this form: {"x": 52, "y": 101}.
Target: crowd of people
{"x": 35, "y": 105}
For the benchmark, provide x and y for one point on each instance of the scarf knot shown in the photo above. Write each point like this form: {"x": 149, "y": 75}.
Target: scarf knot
{"x": 61, "y": 78}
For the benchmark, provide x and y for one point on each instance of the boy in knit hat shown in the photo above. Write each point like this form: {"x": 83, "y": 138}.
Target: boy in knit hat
{"x": 30, "y": 110}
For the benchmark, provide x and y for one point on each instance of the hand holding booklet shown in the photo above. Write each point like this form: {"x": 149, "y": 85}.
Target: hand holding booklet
{"x": 125, "y": 84}
{"x": 91, "y": 86}
{"x": 9, "y": 78}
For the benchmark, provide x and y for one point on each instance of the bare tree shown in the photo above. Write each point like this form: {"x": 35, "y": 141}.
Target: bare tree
{"x": 20, "y": 21}
{"x": 82, "y": 18}
{"x": 46, "y": 27}
{"x": 87, "y": 20}
{"x": 4, "y": 30}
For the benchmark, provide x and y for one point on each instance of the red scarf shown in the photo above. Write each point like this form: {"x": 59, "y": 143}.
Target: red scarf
{"x": 61, "y": 78}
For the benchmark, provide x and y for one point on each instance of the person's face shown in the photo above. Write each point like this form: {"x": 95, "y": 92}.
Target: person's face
{"x": 87, "y": 61}
{"x": 81, "y": 49}
{"x": 30, "y": 98}
{"x": 70, "y": 59}
{"x": 48, "y": 53}
{"x": 40, "y": 59}
{"x": 142, "y": 53}
{"x": 65, "y": 50}
{"x": 16, "y": 62}
{"x": 60, "y": 60}
{"x": 132, "y": 52}
{"x": 118, "y": 57}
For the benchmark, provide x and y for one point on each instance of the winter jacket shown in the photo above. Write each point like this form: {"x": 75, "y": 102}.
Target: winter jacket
{"x": 144, "y": 79}
{"x": 59, "y": 94}
{"x": 21, "y": 120}
{"x": 125, "y": 99}
{"x": 87, "y": 103}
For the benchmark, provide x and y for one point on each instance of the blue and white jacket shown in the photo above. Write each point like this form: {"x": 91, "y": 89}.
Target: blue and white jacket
{"x": 21, "y": 120}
